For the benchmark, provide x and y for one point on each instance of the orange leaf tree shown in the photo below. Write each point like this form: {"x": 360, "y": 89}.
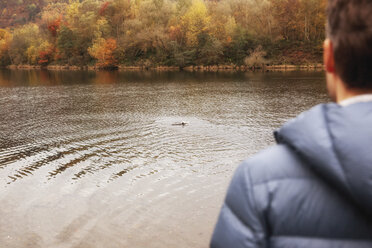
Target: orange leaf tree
{"x": 46, "y": 55}
{"x": 54, "y": 25}
{"x": 103, "y": 51}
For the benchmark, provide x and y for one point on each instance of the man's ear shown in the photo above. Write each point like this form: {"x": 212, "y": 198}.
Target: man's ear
{"x": 328, "y": 58}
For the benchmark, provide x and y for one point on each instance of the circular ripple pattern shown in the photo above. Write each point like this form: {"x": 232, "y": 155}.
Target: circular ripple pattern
{"x": 93, "y": 158}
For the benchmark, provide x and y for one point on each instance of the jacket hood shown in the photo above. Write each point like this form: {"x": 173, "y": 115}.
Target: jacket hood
{"x": 337, "y": 143}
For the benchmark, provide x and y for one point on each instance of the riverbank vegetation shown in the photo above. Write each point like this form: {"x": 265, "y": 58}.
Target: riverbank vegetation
{"x": 148, "y": 33}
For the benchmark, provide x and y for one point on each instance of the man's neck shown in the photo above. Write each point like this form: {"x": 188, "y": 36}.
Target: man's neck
{"x": 356, "y": 99}
{"x": 343, "y": 93}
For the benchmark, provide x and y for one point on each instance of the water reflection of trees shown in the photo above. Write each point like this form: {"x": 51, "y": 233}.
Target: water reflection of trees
{"x": 106, "y": 77}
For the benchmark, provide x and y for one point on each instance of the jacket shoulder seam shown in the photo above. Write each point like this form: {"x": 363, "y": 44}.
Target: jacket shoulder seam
{"x": 283, "y": 179}
{"x": 318, "y": 237}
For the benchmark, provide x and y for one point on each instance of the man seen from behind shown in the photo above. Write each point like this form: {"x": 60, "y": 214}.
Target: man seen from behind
{"x": 314, "y": 188}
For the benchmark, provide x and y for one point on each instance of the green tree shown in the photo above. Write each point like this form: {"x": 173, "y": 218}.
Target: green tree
{"x": 237, "y": 50}
{"x": 66, "y": 43}
{"x": 209, "y": 50}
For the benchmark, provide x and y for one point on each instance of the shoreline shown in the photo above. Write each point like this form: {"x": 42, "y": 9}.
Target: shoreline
{"x": 214, "y": 68}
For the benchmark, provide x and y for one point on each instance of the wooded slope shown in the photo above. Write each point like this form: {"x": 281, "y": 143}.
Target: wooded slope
{"x": 161, "y": 32}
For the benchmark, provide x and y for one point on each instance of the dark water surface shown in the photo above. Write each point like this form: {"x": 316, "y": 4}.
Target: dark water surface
{"x": 91, "y": 159}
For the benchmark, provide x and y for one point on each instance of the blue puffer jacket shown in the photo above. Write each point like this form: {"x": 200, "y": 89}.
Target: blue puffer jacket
{"x": 313, "y": 189}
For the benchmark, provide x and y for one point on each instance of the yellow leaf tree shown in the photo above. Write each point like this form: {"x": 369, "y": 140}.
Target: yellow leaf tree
{"x": 5, "y": 39}
{"x": 195, "y": 21}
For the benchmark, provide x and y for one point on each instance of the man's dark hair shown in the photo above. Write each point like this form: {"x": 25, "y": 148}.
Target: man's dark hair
{"x": 350, "y": 30}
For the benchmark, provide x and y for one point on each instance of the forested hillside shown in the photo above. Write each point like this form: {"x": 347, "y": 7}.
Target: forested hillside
{"x": 161, "y": 32}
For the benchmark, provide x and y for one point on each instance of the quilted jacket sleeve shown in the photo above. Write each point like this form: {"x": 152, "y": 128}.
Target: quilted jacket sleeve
{"x": 239, "y": 224}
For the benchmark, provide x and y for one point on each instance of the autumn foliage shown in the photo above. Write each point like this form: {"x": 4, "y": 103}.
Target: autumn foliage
{"x": 5, "y": 38}
{"x": 46, "y": 56}
{"x": 103, "y": 8}
{"x": 103, "y": 51}
{"x": 175, "y": 33}
{"x": 181, "y": 33}
{"x": 54, "y": 25}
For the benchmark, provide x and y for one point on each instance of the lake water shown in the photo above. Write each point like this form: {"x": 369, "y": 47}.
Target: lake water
{"x": 92, "y": 159}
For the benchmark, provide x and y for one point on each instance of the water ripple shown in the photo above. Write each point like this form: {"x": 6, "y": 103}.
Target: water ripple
{"x": 84, "y": 164}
